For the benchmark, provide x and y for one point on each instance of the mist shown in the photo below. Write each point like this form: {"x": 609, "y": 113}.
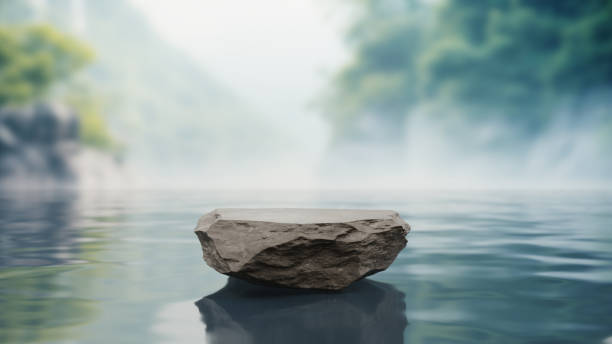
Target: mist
{"x": 434, "y": 153}
{"x": 436, "y": 150}
{"x": 202, "y": 94}
{"x": 451, "y": 158}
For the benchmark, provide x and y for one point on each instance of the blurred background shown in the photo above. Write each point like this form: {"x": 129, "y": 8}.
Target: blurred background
{"x": 305, "y": 94}
{"x": 343, "y": 99}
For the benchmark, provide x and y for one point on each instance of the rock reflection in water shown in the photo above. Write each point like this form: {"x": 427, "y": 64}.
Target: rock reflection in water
{"x": 365, "y": 312}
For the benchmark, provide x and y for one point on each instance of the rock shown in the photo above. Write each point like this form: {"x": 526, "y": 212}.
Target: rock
{"x": 37, "y": 143}
{"x": 365, "y": 312}
{"x": 40, "y": 148}
{"x": 7, "y": 139}
{"x": 301, "y": 248}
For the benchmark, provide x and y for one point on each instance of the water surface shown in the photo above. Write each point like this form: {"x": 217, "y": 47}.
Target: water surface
{"x": 486, "y": 266}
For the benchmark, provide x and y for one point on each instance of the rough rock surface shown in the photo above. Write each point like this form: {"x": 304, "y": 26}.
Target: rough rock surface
{"x": 40, "y": 148}
{"x": 301, "y": 248}
{"x": 36, "y": 143}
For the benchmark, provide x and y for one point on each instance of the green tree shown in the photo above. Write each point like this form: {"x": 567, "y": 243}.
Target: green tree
{"x": 90, "y": 107}
{"x": 515, "y": 60}
{"x": 32, "y": 58}
{"x": 381, "y": 80}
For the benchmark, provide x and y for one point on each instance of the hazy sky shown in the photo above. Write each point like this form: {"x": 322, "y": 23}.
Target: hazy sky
{"x": 277, "y": 54}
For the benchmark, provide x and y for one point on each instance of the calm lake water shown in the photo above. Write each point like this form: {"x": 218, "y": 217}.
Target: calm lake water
{"x": 486, "y": 266}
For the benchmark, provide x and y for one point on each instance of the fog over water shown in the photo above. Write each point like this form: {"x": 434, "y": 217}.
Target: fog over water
{"x": 265, "y": 68}
{"x": 280, "y": 59}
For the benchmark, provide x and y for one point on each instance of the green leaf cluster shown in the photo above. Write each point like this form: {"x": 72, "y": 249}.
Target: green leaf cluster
{"x": 33, "y": 58}
{"x": 515, "y": 60}
{"x": 90, "y": 108}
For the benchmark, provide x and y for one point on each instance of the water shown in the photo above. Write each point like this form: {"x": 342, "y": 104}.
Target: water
{"x": 498, "y": 267}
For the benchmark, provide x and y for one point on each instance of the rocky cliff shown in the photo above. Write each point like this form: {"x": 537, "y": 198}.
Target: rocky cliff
{"x": 39, "y": 146}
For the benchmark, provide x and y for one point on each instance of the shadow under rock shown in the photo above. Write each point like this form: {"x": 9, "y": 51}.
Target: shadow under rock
{"x": 365, "y": 312}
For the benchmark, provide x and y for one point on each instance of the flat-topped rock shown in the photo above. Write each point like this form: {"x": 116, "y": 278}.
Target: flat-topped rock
{"x": 301, "y": 248}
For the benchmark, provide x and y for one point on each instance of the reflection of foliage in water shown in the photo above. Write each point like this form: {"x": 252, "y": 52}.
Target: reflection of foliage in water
{"x": 42, "y": 279}
{"x": 35, "y": 306}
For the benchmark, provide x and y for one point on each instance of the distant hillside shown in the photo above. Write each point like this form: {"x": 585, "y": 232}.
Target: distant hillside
{"x": 160, "y": 104}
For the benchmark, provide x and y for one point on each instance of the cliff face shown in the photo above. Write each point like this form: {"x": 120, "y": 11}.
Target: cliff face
{"x": 39, "y": 146}
{"x": 170, "y": 114}
{"x": 37, "y": 143}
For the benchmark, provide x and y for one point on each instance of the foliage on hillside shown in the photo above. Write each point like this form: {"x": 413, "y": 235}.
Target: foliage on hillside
{"x": 514, "y": 60}
{"x": 163, "y": 105}
{"x": 90, "y": 108}
{"x": 34, "y": 59}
